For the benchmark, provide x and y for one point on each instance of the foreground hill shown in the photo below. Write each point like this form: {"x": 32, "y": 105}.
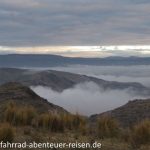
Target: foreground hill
{"x": 32, "y": 119}
{"x": 32, "y": 60}
{"x": 60, "y": 81}
{"x": 130, "y": 113}
{"x": 23, "y": 95}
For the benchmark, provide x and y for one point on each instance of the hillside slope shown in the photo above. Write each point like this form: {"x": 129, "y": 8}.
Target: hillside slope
{"x": 130, "y": 113}
{"x": 23, "y": 95}
{"x": 59, "y": 81}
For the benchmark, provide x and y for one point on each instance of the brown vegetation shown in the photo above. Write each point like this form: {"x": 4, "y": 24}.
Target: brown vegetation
{"x": 6, "y": 133}
{"x": 19, "y": 116}
{"x": 140, "y": 134}
{"x": 108, "y": 127}
{"x": 27, "y": 115}
{"x": 36, "y": 125}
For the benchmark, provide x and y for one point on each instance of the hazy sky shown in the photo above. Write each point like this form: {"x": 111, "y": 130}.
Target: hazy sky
{"x": 41, "y": 25}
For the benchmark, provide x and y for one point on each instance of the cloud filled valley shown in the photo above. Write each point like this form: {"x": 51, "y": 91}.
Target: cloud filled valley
{"x": 80, "y": 92}
{"x": 86, "y": 98}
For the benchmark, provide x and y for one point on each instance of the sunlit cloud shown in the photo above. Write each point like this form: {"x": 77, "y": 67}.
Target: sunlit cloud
{"x": 81, "y": 51}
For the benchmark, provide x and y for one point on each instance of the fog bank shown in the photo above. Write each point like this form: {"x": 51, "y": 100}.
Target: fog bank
{"x": 139, "y": 73}
{"x": 85, "y": 98}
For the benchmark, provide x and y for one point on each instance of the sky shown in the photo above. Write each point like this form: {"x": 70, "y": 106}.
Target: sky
{"x": 85, "y": 28}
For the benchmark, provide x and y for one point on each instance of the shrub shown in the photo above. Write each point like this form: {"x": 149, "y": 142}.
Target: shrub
{"x": 43, "y": 121}
{"x": 108, "y": 127}
{"x": 125, "y": 134}
{"x": 9, "y": 115}
{"x": 140, "y": 134}
{"x": 25, "y": 115}
{"x": 52, "y": 122}
{"x": 57, "y": 124}
{"x": 60, "y": 122}
{"x": 78, "y": 121}
{"x": 6, "y": 133}
{"x": 83, "y": 128}
{"x": 68, "y": 121}
{"x": 19, "y": 116}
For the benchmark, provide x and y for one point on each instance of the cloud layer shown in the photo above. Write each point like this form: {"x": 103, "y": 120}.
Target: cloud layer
{"x": 87, "y": 98}
{"x": 70, "y": 22}
{"x": 139, "y": 74}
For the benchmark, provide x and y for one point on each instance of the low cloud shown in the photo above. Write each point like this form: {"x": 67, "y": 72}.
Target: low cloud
{"x": 139, "y": 73}
{"x": 85, "y": 98}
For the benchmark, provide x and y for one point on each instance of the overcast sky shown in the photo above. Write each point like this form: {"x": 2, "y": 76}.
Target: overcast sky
{"x": 44, "y": 24}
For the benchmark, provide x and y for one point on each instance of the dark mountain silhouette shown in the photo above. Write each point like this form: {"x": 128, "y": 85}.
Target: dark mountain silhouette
{"x": 37, "y": 60}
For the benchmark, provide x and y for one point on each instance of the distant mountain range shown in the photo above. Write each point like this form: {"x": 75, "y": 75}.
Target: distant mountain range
{"x": 129, "y": 114}
{"x": 32, "y": 60}
{"x": 59, "y": 81}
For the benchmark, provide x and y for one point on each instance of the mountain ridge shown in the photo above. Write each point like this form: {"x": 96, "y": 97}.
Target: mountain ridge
{"x": 59, "y": 81}
{"x": 48, "y": 60}
{"x": 23, "y": 95}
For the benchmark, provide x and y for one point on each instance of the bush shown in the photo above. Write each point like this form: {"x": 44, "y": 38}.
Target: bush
{"x": 77, "y": 120}
{"x": 68, "y": 119}
{"x": 6, "y": 133}
{"x": 125, "y": 134}
{"x": 9, "y": 115}
{"x": 57, "y": 124}
{"x": 83, "y": 128}
{"x": 108, "y": 127}
{"x": 140, "y": 134}
{"x": 19, "y": 116}
{"x": 23, "y": 116}
{"x": 60, "y": 122}
{"x": 44, "y": 121}
{"x": 79, "y": 123}
{"x": 52, "y": 122}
